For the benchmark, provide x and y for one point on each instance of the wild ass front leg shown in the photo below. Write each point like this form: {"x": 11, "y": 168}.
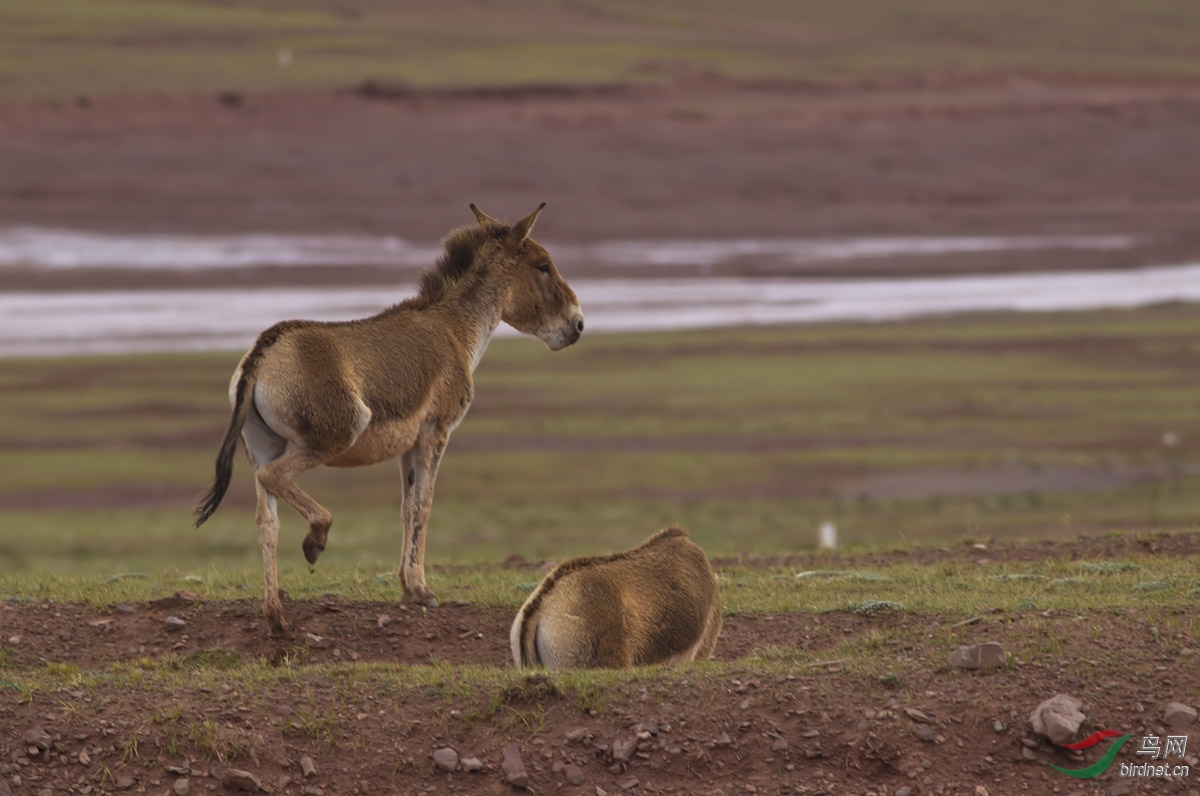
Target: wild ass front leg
{"x": 418, "y": 503}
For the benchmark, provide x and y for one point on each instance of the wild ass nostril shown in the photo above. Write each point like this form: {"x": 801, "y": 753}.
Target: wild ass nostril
{"x": 579, "y": 325}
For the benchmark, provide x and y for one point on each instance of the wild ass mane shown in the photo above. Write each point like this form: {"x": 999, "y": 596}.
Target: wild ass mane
{"x": 452, "y": 265}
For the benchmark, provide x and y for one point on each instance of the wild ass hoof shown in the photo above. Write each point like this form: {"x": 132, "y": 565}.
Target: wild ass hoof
{"x": 312, "y": 549}
{"x": 422, "y": 596}
{"x": 279, "y": 626}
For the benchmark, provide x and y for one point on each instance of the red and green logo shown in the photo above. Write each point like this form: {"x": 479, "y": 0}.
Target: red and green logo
{"x": 1101, "y": 765}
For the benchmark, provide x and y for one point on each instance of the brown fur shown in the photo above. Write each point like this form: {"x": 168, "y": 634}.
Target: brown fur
{"x": 657, "y": 603}
{"x": 395, "y": 384}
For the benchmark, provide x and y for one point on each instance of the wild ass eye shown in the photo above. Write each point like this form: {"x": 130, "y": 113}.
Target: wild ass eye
{"x": 544, "y": 268}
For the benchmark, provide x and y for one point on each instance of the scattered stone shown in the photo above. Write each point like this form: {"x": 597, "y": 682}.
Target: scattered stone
{"x": 917, "y": 715}
{"x": 179, "y": 598}
{"x": 998, "y": 725}
{"x": 239, "y": 779}
{"x": 1120, "y": 788}
{"x": 124, "y": 608}
{"x": 471, "y": 764}
{"x": 988, "y": 655}
{"x": 182, "y": 786}
{"x": 84, "y": 758}
{"x": 38, "y": 737}
{"x": 981, "y": 791}
{"x": 514, "y": 766}
{"x": 174, "y": 623}
{"x": 903, "y": 790}
{"x": 446, "y": 759}
{"x": 574, "y": 774}
{"x": 382, "y": 621}
{"x": 623, "y": 748}
{"x": 307, "y": 766}
{"x": 1177, "y": 715}
{"x": 124, "y": 781}
{"x": 313, "y": 641}
{"x": 312, "y": 790}
{"x": 779, "y": 745}
{"x": 601, "y": 791}
{"x": 924, "y": 732}
{"x": 629, "y": 784}
{"x": 722, "y": 740}
{"x": 1057, "y": 718}
{"x": 1028, "y": 753}
{"x": 180, "y": 771}
{"x": 575, "y": 736}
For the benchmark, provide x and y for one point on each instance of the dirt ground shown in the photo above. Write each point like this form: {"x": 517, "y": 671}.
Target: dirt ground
{"x": 819, "y": 727}
{"x": 704, "y": 158}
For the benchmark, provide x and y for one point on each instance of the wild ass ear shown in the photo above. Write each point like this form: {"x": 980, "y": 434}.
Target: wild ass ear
{"x": 483, "y": 218}
{"x": 520, "y": 230}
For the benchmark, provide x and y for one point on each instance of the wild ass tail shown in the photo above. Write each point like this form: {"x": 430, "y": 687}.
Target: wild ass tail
{"x": 523, "y": 636}
{"x": 243, "y": 399}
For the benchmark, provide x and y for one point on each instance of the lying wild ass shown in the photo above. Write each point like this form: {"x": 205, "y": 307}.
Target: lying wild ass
{"x": 657, "y": 603}
{"x": 395, "y": 384}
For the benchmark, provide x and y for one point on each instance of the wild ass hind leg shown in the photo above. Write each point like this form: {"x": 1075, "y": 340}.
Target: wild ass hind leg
{"x": 263, "y": 446}
{"x": 421, "y": 473}
{"x": 279, "y": 478}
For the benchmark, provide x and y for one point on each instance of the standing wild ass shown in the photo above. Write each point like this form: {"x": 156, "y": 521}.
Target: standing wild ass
{"x": 657, "y": 603}
{"x": 395, "y": 384}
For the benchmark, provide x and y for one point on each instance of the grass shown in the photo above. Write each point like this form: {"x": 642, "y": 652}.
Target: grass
{"x": 1005, "y": 426}
{"x": 65, "y": 48}
{"x": 960, "y": 590}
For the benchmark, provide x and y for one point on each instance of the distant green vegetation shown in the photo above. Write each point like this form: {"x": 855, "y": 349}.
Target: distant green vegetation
{"x": 968, "y": 427}
{"x": 65, "y": 48}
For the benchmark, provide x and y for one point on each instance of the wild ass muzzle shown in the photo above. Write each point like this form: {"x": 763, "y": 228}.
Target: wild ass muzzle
{"x": 355, "y": 393}
{"x": 657, "y": 603}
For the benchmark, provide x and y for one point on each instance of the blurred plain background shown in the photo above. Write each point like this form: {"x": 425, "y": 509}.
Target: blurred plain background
{"x": 920, "y": 269}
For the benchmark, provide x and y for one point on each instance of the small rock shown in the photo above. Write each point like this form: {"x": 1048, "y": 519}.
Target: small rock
{"x": 1120, "y": 788}
{"x": 471, "y": 764}
{"x": 382, "y": 621}
{"x": 1057, "y": 718}
{"x": 1177, "y": 715}
{"x": 174, "y": 623}
{"x": 903, "y": 790}
{"x": 307, "y": 766}
{"x": 85, "y": 759}
{"x": 998, "y": 725}
{"x": 514, "y": 766}
{"x": 1028, "y": 753}
{"x": 312, "y": 790}
{"x": 629, "y": 784}
{"x": 779, "y": 745}
{"x": 917, "y": 715}
{"x": 988, "y": 655}
{"x": 575, "y": 736}
{"x": 981, "y": 791}
{"x": 601, "y": 791}
{"x": 924, "y": 732}
{"x": 124, "y": 781}
{"x": 313, "y": 641}
{"x": 623, "y": 748}
{"x": 39, "y": 738}
{"x": 181, "y": 771}
{"x": 181, "y": 786}
{"x": 446, "y": 759}
{"x": 574, "y": 774}
{"x": 239, "y": 779}
{"x": 45, "y": 792}
{"x": 124, "y": 608}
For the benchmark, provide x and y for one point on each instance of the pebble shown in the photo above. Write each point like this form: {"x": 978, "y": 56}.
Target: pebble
{"x": 182, "y": 786}
{"x": 998, "y": 726}
{"x": 124, "y": 781}
{"x": 514, "y": 766}
{"x": 174, "y": 623}
{"x": 924, "y": 732}
{"x": 574, "y": 774}
{"x": 779, "y": 745}
{"x": 239, "y": 779}
{"x": 1177, "y": 715}
{"x": 623, "y": 748}
{"x": 903, "y": 790}
{"x": 1028, "y": 753}
{"x": 629, "y": 784}
{"x": 981, "y": 791}
{"x": 987, "y": 655}
{"x": 1057, "y": 718}
{"x": 471, "y": 764}
{"x": 313, "y": 641}
{"x": 36, "y": 736}
{"x": 307, "y": 766}
{"x": 312, "y": 790}
{"x": 446, "y": 759}
{"x": 1120, "y": 788}
{"x": 574, "y": 736}
{"x": 124, "y": 608}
